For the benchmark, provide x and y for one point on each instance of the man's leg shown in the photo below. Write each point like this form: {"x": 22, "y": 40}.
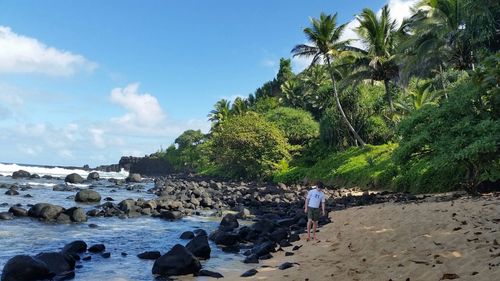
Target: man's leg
{"x": 309, "y": 222}
{"x": 315, "y": 223}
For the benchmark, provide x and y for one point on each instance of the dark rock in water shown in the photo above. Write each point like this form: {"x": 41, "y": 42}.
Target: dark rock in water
{"x": 199, "y": 247}
{"x": 124, "y": 254}
{"x": 74, "y": 178}
{"x": 93, "y": 176}
{"x": 227, "y": 239}
{"x": 187, "y": 235}
{"x": 4, "y": 205}
{"x": 11, "y": 192}
{"x": 200, "y": 232}
{"x": 62, "y": 187}
{"x": 47, "y": 177}
{"x": 76, "y": 214}
{"x": 109, "y": 199}
{"x": 229, "y": 222}
{"x": 25, "y": 268}
{"x": 249, "y": 273}
{"x": 50, "y": 212}
{"x": 20, "y": 174}
{"x": 209, "y": 273}
{"x": 178, "y": 261}
{"x": 93, "y": 225}
{"x": 18, "y": 211}
{"x": 6, "y": 216}
{"x": 57, "y": 262}
{"x": 34, "y": 176}
{"x": 36, "y": 209}
{"x": 133, "y": 178}
{"x": 28, "y": 196}
{"x": 106, "y": 255}
{"x": 97, "y": 248}
{"x": 75, "y": 247}
{"x": 87, "y": 196}
{"x": 152, "y": 255}
{"x": 286, "y": 265}
{"x": 170, "y": 215}
{"x": 87, "y": 258}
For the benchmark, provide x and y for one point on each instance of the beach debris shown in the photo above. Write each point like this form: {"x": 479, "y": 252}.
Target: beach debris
{"x": 286, "y": 265}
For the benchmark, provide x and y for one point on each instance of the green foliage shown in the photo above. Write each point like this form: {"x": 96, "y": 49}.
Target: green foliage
{"x": 368, "y": 167}
{"x": 248, "y": 146}
{"x": 297, "y": 125}
{"x": 461, "y": 135}
{"x": 189, "y": 138}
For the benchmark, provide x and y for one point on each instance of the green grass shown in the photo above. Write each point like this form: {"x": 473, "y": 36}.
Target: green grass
{"x": 369, "y": 167}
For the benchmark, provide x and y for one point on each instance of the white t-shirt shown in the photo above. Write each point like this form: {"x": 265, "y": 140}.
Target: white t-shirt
{"x": 315, "y": 198}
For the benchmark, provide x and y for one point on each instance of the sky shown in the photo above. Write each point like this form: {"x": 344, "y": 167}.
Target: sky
{"x": 86, "y": 82}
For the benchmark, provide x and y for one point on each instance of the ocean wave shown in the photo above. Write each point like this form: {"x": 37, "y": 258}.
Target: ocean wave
{"x": 8, "y": 169}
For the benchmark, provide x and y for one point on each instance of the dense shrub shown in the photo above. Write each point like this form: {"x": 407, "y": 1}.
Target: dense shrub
{"x": 457, "y": 141}
{"x": 248, "y": 146}
{"x": 297, "y": 125}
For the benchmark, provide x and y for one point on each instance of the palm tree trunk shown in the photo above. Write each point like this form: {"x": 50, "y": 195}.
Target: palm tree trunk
{"x": 388, "y": 94}
{"x": 337, "y": 101}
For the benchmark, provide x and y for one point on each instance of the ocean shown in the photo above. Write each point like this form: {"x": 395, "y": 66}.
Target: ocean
{"x": 131, "y": 235}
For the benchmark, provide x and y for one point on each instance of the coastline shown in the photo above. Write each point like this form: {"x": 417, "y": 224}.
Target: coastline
{"x": 394, "y": 241}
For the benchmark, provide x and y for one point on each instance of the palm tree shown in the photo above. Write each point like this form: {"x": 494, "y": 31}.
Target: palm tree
{"x": 325, "y": 46}
{"x": 220, "y": 112}
{"x": 377, "y": 60}
{"x": 436, "y": 37}
{"x": 239, "y": 107}
{"x": 423, "y": 94}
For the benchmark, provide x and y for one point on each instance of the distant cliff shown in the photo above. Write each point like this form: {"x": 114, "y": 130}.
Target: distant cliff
{"x": 146, "y": 166}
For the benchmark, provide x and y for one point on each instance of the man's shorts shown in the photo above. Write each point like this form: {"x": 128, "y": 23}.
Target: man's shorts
{"x": 313, "y": 213}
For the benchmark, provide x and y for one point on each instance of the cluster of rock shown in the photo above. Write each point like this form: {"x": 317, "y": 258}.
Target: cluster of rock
{"x": 50, "y": 265}
{"x": 47, "y": 212}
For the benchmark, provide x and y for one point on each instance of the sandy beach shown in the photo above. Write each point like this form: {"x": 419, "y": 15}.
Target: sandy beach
{"x": 418, "y": 241}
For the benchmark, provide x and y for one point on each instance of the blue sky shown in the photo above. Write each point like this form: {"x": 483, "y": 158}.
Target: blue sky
{"x": 89, "y": 81}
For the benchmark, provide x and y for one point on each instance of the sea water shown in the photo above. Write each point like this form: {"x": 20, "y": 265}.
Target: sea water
{"x": 130, "y": 236}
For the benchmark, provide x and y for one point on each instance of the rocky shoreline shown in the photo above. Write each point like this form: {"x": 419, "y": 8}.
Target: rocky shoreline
{"x": 276, "y": 212}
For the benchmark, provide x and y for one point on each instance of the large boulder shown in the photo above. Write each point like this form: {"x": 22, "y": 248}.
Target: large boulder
{"x": 11, "y": 192}
{"x": 36, "y": 209}
{"x": 25, "y": 268}
{"x": 57, "y": 262}
{"x": 133, "y": 178}
{"x": 170, "y": 215}
{"x": 199, "y": 247}
{"x": 93, "y": 176}
{"x": 75, "y": 247}
{"x": 76, "y": 214}
{"x": 21, "y": 174}
{"x": 45, "y": 211}
{"x": 178, "y": 261}
{"x": 227, "y": 239}
{"x": 87, "y": 195}
{"x": 18, "y": 211}
{"x": 229, "y": 222}
{"x": 74, "y": 178}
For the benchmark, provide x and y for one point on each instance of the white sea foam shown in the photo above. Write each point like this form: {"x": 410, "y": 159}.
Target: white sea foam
{"x": 8, "y": 169}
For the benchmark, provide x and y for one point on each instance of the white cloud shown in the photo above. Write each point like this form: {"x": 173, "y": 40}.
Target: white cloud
{"x": 269, "y": 63}
{"x": 97, "y": 137}
{"x": 300, "y": 63}
{"x": 399, "y": 9}
{"x": 144, "y": 110}
{"x": 22, "y": 54}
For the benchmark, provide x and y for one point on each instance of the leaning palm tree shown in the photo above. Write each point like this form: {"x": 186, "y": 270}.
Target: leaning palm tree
{"x": 325, "y": 46}
{"x": 220, "y": 112}
{"x": 376, "y": 61}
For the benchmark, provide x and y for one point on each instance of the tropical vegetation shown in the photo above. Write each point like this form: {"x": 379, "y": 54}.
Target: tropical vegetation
{"x": 413, "y": 106}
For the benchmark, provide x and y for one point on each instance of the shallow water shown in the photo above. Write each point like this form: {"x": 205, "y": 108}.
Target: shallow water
{"x": 131, "y": 236}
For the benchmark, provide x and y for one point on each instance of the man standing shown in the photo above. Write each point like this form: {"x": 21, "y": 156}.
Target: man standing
{"x": 315, "y": 197}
